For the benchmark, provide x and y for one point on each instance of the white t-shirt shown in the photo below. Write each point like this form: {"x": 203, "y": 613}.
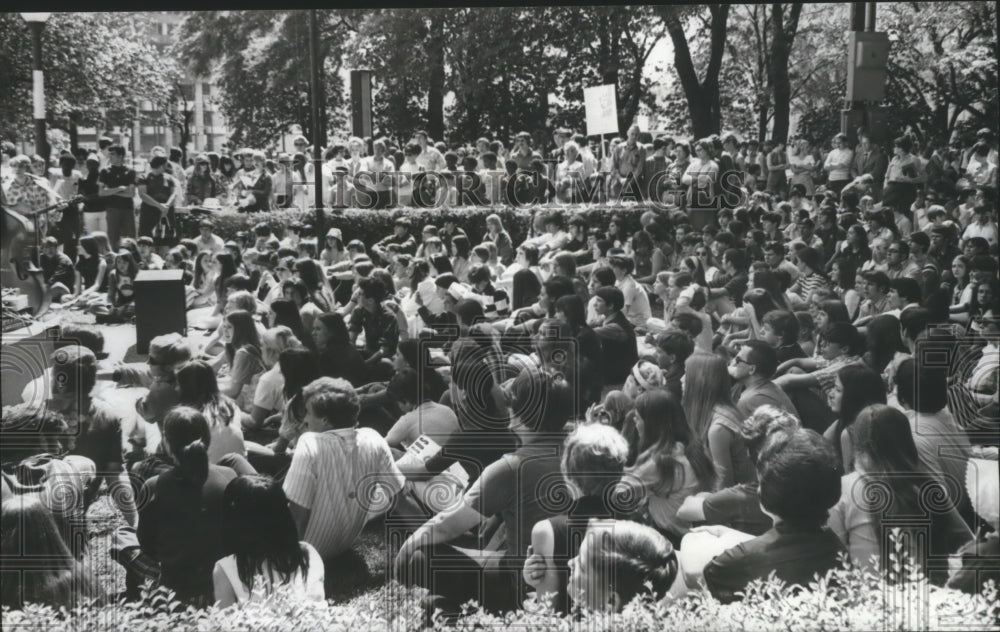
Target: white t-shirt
{"x": 270, "y": 387}
{"x": 303, "y": 589}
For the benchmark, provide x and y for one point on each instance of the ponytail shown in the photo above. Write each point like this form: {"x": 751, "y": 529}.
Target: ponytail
{"x": 187, "y": 437}
{"x": 193, "y": 462}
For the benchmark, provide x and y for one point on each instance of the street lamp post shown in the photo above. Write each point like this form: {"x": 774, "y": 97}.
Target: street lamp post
{"x": 315, "y": 85}
{"x": 37, "y": 22}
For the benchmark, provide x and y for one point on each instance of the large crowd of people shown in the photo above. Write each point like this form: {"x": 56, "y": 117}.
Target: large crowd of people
{"x": 590, "y": 414}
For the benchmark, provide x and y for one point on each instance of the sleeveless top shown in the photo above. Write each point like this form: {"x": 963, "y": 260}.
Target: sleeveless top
{"x": 303, "y": 589}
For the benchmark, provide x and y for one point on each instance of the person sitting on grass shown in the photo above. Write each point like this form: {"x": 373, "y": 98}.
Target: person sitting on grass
{"x": 28, "y": 533}
{"x": 799, "y": 481}
{"x": 337, "y": 469}
{"x": 616, "y": 562}
{"x": 267, "y": 556}
{"x": 95, "y": 428}
{"x": 593, "y": 462}
{"x": 180, "y": 524}
{"x": 738, "y": 507}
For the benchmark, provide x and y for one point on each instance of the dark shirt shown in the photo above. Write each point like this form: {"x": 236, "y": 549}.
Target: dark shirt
{"x": 180, "y": 526}
{"x": 619, "y": 351}
{"x": 790, "y": 352}
{"x": 407, "y": 244}
{"x": 518, "y": 487}
{"x": 119, "y": 176}
{"x": 381, "y": 331}
{"x": 568, "y": 530}
{"x": 99, "y": 438}
{"x": 158, "y": 186}
{"x": 87, "y": 267}
{"x": 58, "y": 269}
{"x": 737, "y": 507}
{"x": 343, "y": 361}
{"x": 795, "y": 555}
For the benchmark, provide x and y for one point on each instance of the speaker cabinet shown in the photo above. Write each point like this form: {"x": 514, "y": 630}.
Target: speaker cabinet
{"x": 361, "y": 103}
{"x": 159, "y": 306}
{"x": 867, "y": 61}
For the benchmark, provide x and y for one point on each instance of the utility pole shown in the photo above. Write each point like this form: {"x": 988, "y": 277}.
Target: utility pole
{"x": 315, "y": 86}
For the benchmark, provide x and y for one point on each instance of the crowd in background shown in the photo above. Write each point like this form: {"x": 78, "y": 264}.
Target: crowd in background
{"x": 715, "y": 397}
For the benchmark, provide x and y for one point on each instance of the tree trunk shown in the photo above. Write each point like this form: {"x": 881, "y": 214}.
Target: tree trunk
{"x": 74, "y": 133}
{"x": 435, "y": 89}
{"x": 781, "y": 50}
{"x": 702, "y": 96}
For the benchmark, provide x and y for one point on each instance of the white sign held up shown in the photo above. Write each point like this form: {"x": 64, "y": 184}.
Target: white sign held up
{"x": 602, "y": 110}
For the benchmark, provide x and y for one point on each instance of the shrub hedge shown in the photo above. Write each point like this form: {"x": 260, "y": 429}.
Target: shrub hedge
{"x": 845, "y": 599}
{"x": 370, "y": 225}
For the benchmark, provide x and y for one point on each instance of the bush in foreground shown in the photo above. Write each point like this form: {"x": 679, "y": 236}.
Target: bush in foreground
{"x": 846, "y": 599}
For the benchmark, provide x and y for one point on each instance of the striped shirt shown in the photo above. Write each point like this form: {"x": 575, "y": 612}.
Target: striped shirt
{"x": 344, "y": 477}
{"x": 808, "y": 284}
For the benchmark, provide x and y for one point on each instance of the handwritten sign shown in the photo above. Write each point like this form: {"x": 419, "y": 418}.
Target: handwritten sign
{"x": 602, "y": 110}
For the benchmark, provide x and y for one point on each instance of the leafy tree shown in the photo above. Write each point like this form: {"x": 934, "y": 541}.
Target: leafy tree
{"x": 702, "y": 95}
{"x": 261, "y": 62}
{"x": 97, "y": 66}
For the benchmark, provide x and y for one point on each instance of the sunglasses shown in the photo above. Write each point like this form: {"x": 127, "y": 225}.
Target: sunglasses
{"x": 739, "y": 360}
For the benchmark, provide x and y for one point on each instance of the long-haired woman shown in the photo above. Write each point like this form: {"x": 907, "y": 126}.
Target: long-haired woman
{"x": 885, "y": 347}
{"x": 714, "y": 419}
{"x": 315, "y": 280}
{"x": 267, "y": 556}
{"x": 857, "y": 386}
{"x": 226, "y": 265}
{"x": 887, "y": 466}
{"x": 285, "y": 313}
{"x": 336, "y": 354}
{"x": 243, "y": 353}
{"x": 298, "y": 368}
{"x": 671, "y": 463}
{"x": 180, "y": 524}
{"x": 198, "y": 388}
{"x": 30, "y": 533}
{"x": 91, "y": 267}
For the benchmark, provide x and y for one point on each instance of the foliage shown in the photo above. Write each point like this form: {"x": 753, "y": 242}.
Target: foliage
{"x": 97, "y": 65}
{"x": 500, "y": 63}
{"x": 845, "y": 599}
{"x": 261, "y": 62}
{"x": 370, "y": 226}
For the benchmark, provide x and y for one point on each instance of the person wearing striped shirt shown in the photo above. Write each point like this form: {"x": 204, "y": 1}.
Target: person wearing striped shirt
{"x": 341, "y": 475}
{"x": 811, "y": 277}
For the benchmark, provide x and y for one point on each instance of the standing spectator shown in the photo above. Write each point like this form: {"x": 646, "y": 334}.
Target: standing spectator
{"x": 158, "y": 191}
{"x": 838, "y": 164}
{"x": 902, "y": 176}
{"x": 627, "y": 162}
{"x": 117, "y": 187}
{"x": 202, "y": 184}
{"x": 870, "y": 160}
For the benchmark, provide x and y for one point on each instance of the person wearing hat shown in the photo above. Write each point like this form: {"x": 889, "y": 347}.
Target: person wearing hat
{"x": 983, "y": 225}
{"x": 333, "y": 250}
{"x": 57, "y": 269}
{"x": 95, "y": 427}
{"x": 158, "y": 191}
{"x": 400, "y": 236}
{"x": 148, "y": 259}
{"x": 208, "y": 241}
{"x": 283, "y": 181}
{"x": 202, "y": 184}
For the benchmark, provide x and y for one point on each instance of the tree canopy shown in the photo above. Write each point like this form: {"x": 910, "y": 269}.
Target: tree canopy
{"x": 97, "y": 65}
